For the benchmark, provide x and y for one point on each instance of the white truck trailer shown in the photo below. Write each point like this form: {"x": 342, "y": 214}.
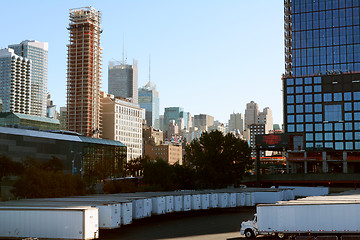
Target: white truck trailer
{"x": 49, "y": 222}
{"x": 304, "y": 218}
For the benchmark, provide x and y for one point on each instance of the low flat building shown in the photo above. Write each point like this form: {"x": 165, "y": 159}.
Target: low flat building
{"x": 9, "y": 119}
{"x": 92, "y": 158}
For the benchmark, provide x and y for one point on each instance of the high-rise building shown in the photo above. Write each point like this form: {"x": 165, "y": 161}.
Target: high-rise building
{"x": 236, "y": 122}
{"x": 251, "y": 114}
{"x": 172, "y": 113}
{"x": 37, "y": 52}
{"x": 84, "y": 72}
{"x": 149, "y": 100}
{"x": 265, "y": 117}
{"x": 123, "y": 122}
{"x": 321, "y": 85}
{"x": 15, "y": 87}
{"x": 203, "y": 121}
{"x": 123, "y": 80}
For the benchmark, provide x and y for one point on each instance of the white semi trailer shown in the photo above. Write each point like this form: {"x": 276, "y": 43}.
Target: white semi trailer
{"x": 304, "y": 218}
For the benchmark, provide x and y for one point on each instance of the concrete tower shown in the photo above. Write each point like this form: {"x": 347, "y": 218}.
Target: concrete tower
{"x": 84, "y": 72}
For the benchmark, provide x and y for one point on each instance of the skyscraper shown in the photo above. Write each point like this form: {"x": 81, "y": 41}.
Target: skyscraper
{"x": 321, "y": 85}
{"x": 15, "y": 82}
{"x": 84, "y": 72}
{"x": 123, "y": 80}
{"x": 251, "y": 113}
{"x": 149, "y": 100}
{"x": 236, "y": 121}
{"x": 37, "y": 52}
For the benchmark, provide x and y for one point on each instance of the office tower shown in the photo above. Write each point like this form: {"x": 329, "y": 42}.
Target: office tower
{"x": 123, "y": 122}
{"x": 236, "y": 122}
{"x": 63, "y": 118}
{"x": 172, "y": 113}
{"x": 37, "y": 52}
{"x": 123, "y": 80}
{"x": 84, "y": 72}
{"x": 321, "y": 85}
{"x": 203, "y": 121}
{"x": 15, "y": 87}
{"x": 251, "y": 113}
{"x": 149, "y": 100}
{"x": 265, "y": 117}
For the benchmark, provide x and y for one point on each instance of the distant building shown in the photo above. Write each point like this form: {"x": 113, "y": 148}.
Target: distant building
{"x": 173, "y": 130}
{"x": 172, "y": 113}
{"x": 265, "y": 117}
{"x": 236, "y": 122}
{"x": 63, "y": 118}
{"x": 84, "y": 72}
{"x": 193, "y": 133}
{"x": 123, "y": 122}
{"x": 37, "y": 52}
{"x": 203, "y": 120}
{"x": 172, "y": 154}
{"x": 51, "y": 108}
{"x": 149, "y": 100}
{"x": 15, "y": 82}
{"x": 161, "y": 122}
{"x": 123, "y": 80}
{"x": 153, "y": 136}
{"x": 8, "y": 119}
{"x": 251, "y": 114}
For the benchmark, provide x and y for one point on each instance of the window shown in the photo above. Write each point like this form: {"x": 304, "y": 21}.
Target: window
{"x": 318, "y": 117}
{"x": 318, "y": 107}
{"x": 327, "y": 97}
{"x": 317, "y": 98}
{"x": 348, "y": 126}
{"x": 356, "y": 95}
{"x": 317, "y": 88}
{"x": 309, "y": 127}
{"x": 339, "y": 127}
{"x": 299, "y": 108}
{"x": 309, "y": 137}
{"x": 291, "y": 118}
{"x": 290, "y": 81}
{"x": 348, "y": 136}
{"x": 339, "y": 146}
{"x": 308, "y": 98}
{"x": 299, "y": 89}
{"x": 347, "y": 96}
{"x": 349, "y": 146}
{"x": 299, "y": 99}
{"x": 329, "y": 145}
{"x": 318, "y": 137}
{"x": 291, "y": 128}
{"x": 308, "y": 108}
{"x": 347, "y": 106}
{"x": 290, "y": 109}
{"x": 308, "y": 118}
{"x": 299, "y": 118}
{"x": 339, "y": 136}
{"x": 299, "y": 81}
{"x": 337, "y": 96}
{"x": 348, "y": 116}
{"x": 299, "y": 127}
{"x": 290, "y": 90}
{"x": 333, "y": 113}
{"x": 318, "y": 127}
{"x": 356, "y": 106}
{"x": 328, "y": 136}
{"x": 290, "y": 99}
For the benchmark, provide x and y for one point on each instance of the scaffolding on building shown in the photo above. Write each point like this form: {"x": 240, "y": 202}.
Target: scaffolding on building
{"x": 84, "y": 72}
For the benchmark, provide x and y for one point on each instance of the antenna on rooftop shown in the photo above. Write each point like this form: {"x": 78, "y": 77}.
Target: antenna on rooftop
{"x": 149, "y": 68}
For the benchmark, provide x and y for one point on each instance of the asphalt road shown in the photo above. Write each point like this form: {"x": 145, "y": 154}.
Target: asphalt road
{"x": 216, "y": 224}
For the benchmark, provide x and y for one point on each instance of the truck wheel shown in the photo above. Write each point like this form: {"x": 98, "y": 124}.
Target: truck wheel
{"x": 281, "y": 235}
{"x": 249, "y": 234}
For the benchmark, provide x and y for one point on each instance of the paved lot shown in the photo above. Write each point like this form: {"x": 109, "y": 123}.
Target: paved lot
{"x": 217, "y": 224}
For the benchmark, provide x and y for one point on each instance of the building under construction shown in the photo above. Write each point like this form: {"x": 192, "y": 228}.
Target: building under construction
{"x": 84, "y": 72}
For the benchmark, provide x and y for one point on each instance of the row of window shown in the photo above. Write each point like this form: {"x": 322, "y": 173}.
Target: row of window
{"x": 336, "y": 145}
{"x": 320, "y": 5}
{"x": 320, "y": 127}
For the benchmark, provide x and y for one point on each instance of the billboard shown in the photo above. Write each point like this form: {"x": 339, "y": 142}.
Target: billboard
{"x": 276, "y": 142}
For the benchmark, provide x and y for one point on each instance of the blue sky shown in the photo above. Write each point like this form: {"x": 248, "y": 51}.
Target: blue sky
{"x": 207, "y": 56}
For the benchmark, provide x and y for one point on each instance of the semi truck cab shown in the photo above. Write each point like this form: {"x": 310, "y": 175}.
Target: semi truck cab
{"x": 249, "y": 228}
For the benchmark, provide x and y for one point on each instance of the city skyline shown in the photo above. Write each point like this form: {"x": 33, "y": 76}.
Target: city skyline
{"x": 185, "y": 41}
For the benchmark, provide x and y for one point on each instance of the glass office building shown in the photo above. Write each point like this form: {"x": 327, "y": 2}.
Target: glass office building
{"x": 149, "y": 100}
{"x": 321, "y": 85}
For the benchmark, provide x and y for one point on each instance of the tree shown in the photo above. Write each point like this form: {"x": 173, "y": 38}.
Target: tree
{"x": 135, "y": 166}
{"x": 218, "y": 160}
{"x": 158, "y": 173}
{"x": 9, "y": 168}
{"x": 46, "y": 179}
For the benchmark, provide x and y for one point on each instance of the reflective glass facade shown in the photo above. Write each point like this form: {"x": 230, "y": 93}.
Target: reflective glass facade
{"x": 325, "y": 36}
{"x": 321, "y": 84}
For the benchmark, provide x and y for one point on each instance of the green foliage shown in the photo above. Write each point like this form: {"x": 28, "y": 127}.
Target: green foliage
{"x": 135, "y": 167}
{"x": 159, "y": 173}
{"x": 46, "y": 180}
{"x": 218, "y": 160}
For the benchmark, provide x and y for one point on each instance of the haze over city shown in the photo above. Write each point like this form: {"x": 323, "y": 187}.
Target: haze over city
{"x": 206, "y": 56}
